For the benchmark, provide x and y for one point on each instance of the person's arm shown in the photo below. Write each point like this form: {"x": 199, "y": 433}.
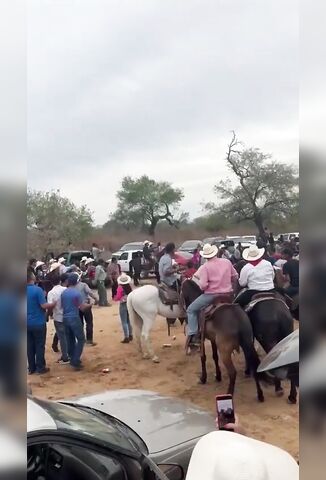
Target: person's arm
{"x": 42, "y": 301}
{"x": 202, "y": 275}
{"x": 243, "y": 279}
{"x": 97, "y": 271}
{"x": 235, "y": 427}
{"x": 168, "y": 269}
{"x": 89, "y": 292}
{"x": 82, "y": 306}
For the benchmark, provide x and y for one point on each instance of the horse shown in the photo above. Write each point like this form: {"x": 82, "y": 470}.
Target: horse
{"x": 228, "y": 329}
{"x": 272, "y": 321}
{"x": 144, "y": 304}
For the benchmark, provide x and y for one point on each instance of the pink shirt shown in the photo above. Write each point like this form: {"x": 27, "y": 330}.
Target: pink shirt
{"x": 120, "y": 296}
{"x": 216, "y": 276}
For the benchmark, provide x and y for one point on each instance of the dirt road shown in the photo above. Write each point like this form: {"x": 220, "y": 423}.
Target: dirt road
{"x": 177, "y": 375}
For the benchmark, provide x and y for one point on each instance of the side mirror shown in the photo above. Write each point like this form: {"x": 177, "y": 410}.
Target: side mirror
{"x": 173, "y": 472}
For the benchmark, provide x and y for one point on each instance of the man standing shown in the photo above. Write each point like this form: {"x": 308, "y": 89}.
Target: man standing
{"x": 114, "y": 271}
{"x": 54, "y": 296}
{"x": 71, "y": 301}
{"x": 136, "y": 267}
{"x": 100, "y": 277}
{"x": 62, "y": 267}
{"x": 167, "y": 270}
{"x": 96, "y": 251}
{"x": 36, "y": 326}
{"x": 87, "y": 315}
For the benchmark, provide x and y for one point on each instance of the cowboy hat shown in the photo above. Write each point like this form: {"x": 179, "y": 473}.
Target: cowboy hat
{"x": 146, "y": 242}
{"x": 209, "y": 251}
{"x": 39, "y": 263}
{"x": 83, "y": 259}
{"x": 124, "y": 279}
{"x": 253, "y": 253}
{"x": 54, "y": 266}
{"x": 62, "y": 260}
{"x": 89, "y": 260}
{"x": 225, "y": 455}
{"x": 52, "y": 260}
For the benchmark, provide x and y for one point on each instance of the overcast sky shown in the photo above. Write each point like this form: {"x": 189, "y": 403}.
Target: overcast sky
{"x": 132, "y": 87}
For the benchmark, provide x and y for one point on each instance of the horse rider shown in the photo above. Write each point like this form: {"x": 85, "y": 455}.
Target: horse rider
{"x": 216, "y": 277}
{"x": 168, "y": 269}
{"x": 257, "y": 275}
{"x": 291, "y": 272}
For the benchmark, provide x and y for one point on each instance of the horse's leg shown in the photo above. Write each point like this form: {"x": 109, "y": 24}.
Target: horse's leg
{"x": 277, "y": 383}
{"x": 147, "y": 341}
{"x": 292, "y": 398}
{"x": 226, "y": 350}
{"x": 203, "y": 377}
{"x": 218, "y": 374}
{"x": 137, "y": 323}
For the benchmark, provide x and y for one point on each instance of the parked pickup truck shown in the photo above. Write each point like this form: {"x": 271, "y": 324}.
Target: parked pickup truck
{"x": 124, "y": 260}
{"x": 75, "y": 256}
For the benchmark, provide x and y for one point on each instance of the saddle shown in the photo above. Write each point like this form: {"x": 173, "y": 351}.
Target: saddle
{"x": 219, "y": 301}
{"x": 263, "y": 296}
{"x": 168, "y": 296}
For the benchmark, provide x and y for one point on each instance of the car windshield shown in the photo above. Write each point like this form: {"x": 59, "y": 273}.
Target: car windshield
{"x": 249, "y": 238}
{"x": 131, "y": 246}
{"x": 94, "y": 424}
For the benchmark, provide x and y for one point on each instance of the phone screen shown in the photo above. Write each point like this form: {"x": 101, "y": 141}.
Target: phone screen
{"x": 225, "y": 411}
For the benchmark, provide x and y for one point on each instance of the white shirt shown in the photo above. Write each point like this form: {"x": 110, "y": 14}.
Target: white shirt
{"x": 62, "y": 269}
{"x": 54, "y": 295}
{"x": 279, "y": 263}
{"x": 259, "y": 277}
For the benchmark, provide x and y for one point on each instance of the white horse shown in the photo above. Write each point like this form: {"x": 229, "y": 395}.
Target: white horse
{"x": 144, "y": 305}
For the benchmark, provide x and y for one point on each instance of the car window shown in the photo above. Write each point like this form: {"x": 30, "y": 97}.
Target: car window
{"x": 124, "y": 256}
{"x": 54, "y": 461}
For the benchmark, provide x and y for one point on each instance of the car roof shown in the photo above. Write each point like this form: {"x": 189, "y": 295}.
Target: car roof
{"x": 38, "y": 418}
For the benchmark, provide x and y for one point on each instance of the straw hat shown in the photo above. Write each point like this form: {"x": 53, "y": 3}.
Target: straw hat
{"x": 124, "y": 279}
{"x": 62, "y": 260}
{"x": 253, "y": 253}
{"x": 146, "y": 242}
{"x": 54, "y": 266}
{"x": 225, "y": 455}
{"x": 209, "y": 251}
{"x": 39, "y": 263}
{"x": 52, "y": 260}
{"x": 83, "y": 259}
{"x": 89, "y": 260}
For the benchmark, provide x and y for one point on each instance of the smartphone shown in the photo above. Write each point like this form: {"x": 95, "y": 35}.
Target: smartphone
{"x": 225, "y": 410}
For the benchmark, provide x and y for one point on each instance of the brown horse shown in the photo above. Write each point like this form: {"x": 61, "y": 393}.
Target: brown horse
{"x": 228, "y": 328}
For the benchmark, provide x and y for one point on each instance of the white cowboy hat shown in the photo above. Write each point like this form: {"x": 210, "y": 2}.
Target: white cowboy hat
{"x": 39, "y": 263}
{"x": 225, "y": 455}
{"x": 54, "y": 266}
{"x": 253, "y": 253}
{"x": 83, "y": 259}
{"x": 124, "y": 279}
{"x": 209, "y": 251}
{"x": 146, "y": 241}
{"x": 62, "y": 260}
{"x": 89, "y": 260}
{"x": 52, "y": 260}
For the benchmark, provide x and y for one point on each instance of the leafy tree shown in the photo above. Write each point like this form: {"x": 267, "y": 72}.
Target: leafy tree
{"x": 265, "y": 189}
{"x": 143, "y": 203}
{"x": 54, "y": 222}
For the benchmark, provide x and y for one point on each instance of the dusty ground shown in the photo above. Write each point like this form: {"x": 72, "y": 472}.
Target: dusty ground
{"x": 177, "y": 375}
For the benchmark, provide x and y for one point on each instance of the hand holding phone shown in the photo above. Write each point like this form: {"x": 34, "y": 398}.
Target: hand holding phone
{"x": 225, "y": 411}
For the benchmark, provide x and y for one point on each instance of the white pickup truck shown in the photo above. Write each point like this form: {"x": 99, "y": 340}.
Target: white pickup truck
{"x": 124, "y": 260}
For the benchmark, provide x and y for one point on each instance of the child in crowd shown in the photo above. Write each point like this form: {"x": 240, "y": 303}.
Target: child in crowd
{"x": 190, "y": 270}
{"x": 123, "y": 291}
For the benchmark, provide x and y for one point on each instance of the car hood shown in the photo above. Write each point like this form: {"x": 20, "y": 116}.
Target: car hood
{"x": 162, "y": 422}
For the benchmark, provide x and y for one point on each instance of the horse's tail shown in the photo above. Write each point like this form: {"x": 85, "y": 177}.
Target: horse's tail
{"x": 246, "y": 340}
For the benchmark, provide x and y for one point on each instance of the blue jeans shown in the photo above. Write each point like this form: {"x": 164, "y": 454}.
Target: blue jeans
{"x": 194, "y": 309}
{"x": 75, "y": 339}
{"x": 61, "y": 332}
{"x": 125, "y": 322}
{"x": 36, "y": 337}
